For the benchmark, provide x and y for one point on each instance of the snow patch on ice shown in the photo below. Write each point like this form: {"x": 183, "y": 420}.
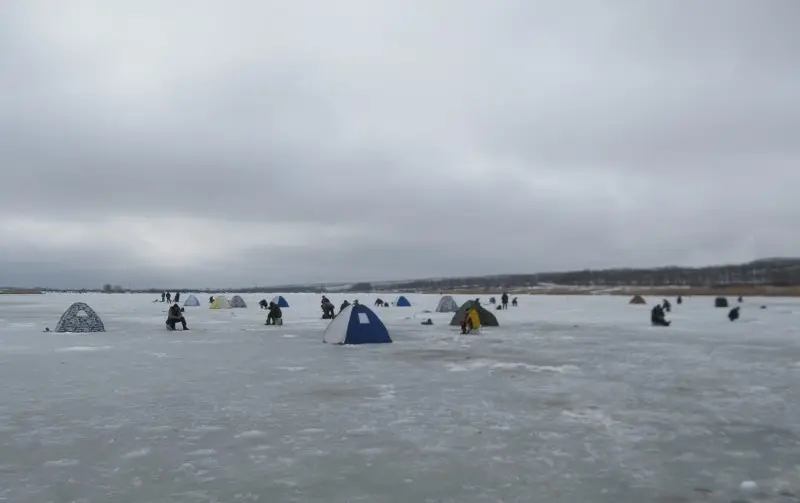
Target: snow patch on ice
{"x": 559, "y": 369}
{"x": 83, "y": 349}
{"x": 495, "y": 365}
{"x": 62, "y": 462}
{"x": 312, "y": 430}
{"x": 138, "y": 453}
{"x": 251, "y": 434}
{"x": 202, "y": 452}
{"x": 291, "y": 369}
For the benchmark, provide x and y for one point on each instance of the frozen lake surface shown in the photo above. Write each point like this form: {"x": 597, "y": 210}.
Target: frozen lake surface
{"x": 573, "y": 399}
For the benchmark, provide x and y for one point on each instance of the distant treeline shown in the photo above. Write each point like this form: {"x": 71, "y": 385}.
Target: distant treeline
{"x": 772, "y": 272}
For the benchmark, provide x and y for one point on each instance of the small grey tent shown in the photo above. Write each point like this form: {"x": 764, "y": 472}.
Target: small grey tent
{"x": 80, "y": 318}
{"x": 720, "y": 302}
{"x": 447, "y": 304}
{"x": 238, "y": 302}
{"x": 191, "y": 301}
{"x": 487, "y": 318}
{"x": 637, "y": 299}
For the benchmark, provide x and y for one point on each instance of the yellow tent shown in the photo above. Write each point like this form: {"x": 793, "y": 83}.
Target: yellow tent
{"x": 221, "y": 302}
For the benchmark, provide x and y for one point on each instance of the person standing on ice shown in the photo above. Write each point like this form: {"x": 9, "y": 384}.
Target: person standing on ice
{"x": 169, "y": 297}
{"x": 163, "y": 296}
{"x": 504, "y": 300}
{"x": 177, "y": 297}
{"x": 175, "y": 315}
{"x": 327, "y": 308}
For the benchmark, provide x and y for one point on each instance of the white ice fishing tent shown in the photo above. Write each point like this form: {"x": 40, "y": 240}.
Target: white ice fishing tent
{"x": 447, "y": 305}
{"x": 191, "y": 301}
{"x": 356, "y": 324}
{"x": 238, "y": 302}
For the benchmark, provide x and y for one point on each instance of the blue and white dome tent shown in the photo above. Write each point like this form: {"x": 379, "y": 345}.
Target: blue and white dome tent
{"x": 356, "y": 324}
{"x": 278, "y": 299}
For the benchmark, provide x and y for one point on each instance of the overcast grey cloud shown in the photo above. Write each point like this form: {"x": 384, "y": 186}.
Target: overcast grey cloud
{"x": 201, "y": 143}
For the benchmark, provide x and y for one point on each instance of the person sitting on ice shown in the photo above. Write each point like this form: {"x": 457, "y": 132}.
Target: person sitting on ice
{"x": 379, "y": 302}
{"x": 427, "y": 322}
{"x": 733, "y": 314}
{"x": 344, "y": 305}
{"x": 275, "y": 315}
{"x": 263, "y": 304}
{"x": 175, "y": 315}
{"x": 666, "y": 305}
{"x": 657, "y": 317}
{"x": 514, "y": 302}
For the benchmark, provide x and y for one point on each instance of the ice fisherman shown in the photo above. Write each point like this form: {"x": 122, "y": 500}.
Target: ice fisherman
{"x": 275, "y": 315}
{"x": 504, "y": 300}
{"x": 733, "y": 314}
{"x": 327, "y": 308}
{"x": 175, "y": 315}
{"x": 177, "y": 297}
{"x": 471, "y": 321}
{"x": 657, "y": 317}
{"x": 666, "y": 305}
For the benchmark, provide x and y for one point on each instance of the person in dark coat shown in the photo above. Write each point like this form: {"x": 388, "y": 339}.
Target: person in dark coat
{"x": 514, "y": 302}
{"x": 733, "y": 314}
{"x": 504, "y": 300}
{"x": 275, "y": 315}
{"x": 657, "y": 317}
{"x": 175, "y": 315}
{"x": 263, "y": 304}
{"x": 177, "y": 297}
{"x": 328, "y": 308}
{"x": 667, "y": 306}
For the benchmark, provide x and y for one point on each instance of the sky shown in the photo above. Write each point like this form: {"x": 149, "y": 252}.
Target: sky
{"x": 208, "y": 143}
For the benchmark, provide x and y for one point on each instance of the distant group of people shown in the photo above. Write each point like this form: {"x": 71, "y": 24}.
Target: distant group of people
{"x": 329, "y": 310}
{"x": 658, "y": 313}
{"x": 167, "y": 297}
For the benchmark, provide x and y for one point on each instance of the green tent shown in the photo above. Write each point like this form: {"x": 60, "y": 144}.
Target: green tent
{"x": 487, "y": 318}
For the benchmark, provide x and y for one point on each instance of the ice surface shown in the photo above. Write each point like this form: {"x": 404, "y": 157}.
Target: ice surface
{"x": 571, "y": 399}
